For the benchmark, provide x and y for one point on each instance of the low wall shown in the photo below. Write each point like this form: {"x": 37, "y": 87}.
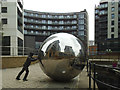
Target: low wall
{"x": 104, "y": 62}
{"x": 104, "y": 57}
{"x": 14, "y": 61}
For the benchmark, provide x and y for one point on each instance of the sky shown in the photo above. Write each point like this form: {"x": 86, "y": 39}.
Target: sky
{"x": 64, "y": 6}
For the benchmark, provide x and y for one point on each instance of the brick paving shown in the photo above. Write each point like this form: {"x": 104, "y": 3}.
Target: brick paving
{"x": 37, "y": 79}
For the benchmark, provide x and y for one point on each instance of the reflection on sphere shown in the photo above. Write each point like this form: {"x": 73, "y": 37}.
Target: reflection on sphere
{"x": 62, "y": 56}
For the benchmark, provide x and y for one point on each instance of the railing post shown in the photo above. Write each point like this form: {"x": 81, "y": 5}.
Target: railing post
{"x": 89, "y": 75}
{"x": 94, "y": 77}
{"x": 87, "y": 64}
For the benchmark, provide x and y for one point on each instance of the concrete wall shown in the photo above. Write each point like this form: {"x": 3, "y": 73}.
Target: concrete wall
{"x": 14, "y": 61}
{"x": 115, "y": 19}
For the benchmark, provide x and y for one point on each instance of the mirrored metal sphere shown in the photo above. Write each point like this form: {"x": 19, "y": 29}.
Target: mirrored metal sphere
{"x": 62, "y": 56}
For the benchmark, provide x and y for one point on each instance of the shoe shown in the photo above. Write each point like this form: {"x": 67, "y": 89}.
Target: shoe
{"x": 25, "y": 80}
{"x": 17, "y": 78}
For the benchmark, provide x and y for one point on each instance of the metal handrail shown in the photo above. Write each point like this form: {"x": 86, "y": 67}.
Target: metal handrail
{"x": 21, "y": 50}
{"x": 96, "y": 80}
{"x": 105, "y": 83}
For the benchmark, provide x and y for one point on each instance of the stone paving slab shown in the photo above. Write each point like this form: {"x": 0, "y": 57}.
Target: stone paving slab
{"x": 37, "y": 79}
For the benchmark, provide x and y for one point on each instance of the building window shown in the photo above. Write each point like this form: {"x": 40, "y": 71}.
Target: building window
{"x": 92, "y": 49}
{"x": 61, "y": 22}
{"x": 104, "y": 5}
{"x": 81, "y": 21}
{"x": 32, "y": 31}
{"x": 43, "y": 16}
{"x": 20, "y": 42}
{"x": 74, "y": 27}
{"x": 31, "y": 20}
{"x": 96, "y": 11}
{"x": 68, "y": 16}
{"x": 6, "y": 45}
{"x": 50, "y": 16}
{"x": 37, "y": 32}
{"x": 96, "y": 16}
{"x": 74, "y": 22}
{"x": 4, "y": 9}
{"x": 81, "y": 15}
{"x": 20, "y": 46}
{"x": 31, "y": 26}
{"x": 112, "y": 35}
{"x": 112, "y": 9}
{"x": 61, "y": 27}
{"x": 102, "y": 12}
{"x": 112, "y": 29}
{"x": 4, "y": 21}
{"x": 61, "y": 16}
{"x": 112, "y": 16}
{"x": 37, "y": 45}
{"x": 43, "y": 27}
{"x": 31, "y": 14}
{"x": 49, "y": 27}
{"x": 36, "y": 26}
{"x": 113, "y": 2}
{"x": 81, "y": 32}
{"x": 36, "y": 15}
{"x": 112, "y": 23}
{"x": 49, "y": 22}
{"x": 44, "y": 21}
{"x": 67, "y": 27}
{"x": 81, "y": 27}
{"x": 74, "y": 16}
{"x": 55, "y": 16}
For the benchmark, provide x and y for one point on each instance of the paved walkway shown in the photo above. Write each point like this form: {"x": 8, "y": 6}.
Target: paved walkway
{"x": 37, "y": 79}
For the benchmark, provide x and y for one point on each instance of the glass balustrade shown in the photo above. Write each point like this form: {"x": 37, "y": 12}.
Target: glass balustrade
{"x": 51, "y": 28}
{"x": 50, "y": 16}
{"x": 50, "y": 22}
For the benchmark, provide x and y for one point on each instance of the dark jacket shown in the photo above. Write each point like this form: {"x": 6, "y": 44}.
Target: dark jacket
{"x": 28, "y": 61}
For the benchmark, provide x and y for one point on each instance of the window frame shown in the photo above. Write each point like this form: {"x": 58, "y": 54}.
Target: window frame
{"x": 4, "y": 21}
{"x": 3, "y": 9}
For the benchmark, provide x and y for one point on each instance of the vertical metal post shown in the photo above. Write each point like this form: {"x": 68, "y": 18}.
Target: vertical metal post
{"x": 89, "y": 75}
{"x": 87, "y": 64}
{"x": 94, "y": 77}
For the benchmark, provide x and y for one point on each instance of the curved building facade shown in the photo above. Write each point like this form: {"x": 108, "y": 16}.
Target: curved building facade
{"x": 39, "y": 25}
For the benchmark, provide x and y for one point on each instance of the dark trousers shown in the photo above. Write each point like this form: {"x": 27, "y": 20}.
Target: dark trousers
{"x": 26, "y": 74}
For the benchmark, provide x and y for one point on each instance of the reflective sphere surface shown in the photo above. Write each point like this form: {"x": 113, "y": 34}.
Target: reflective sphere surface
{"x": 61, "y": 56}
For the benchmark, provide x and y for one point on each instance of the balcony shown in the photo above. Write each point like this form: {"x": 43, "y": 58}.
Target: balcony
{"x": 103, "y": 5}
{"x": 44, "y": 34}
{"x": 41, "y": 16}
{"x": 103, "y": 13}
{"x": 51, "y": 23}
{"x": 51, "y": 28}
{"x": 47, "y": 33}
